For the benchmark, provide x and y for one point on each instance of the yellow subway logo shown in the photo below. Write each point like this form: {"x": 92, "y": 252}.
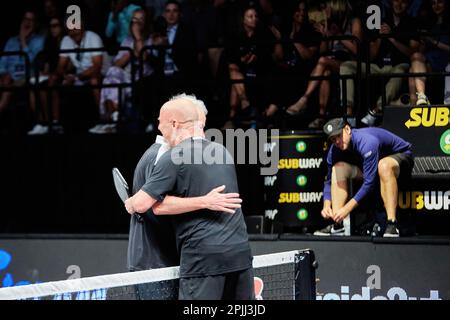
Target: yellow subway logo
{"x": 307, "y": 163}
{"x": 428, "y": 200}
{"x": 428, "y": 117}
{"x": 300, "y": 197}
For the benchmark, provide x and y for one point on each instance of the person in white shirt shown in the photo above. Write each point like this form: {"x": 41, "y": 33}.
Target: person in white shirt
{"x": 79, "y": 68}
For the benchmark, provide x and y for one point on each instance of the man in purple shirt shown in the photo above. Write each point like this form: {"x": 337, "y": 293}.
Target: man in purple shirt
{"x": 374, "y": 155}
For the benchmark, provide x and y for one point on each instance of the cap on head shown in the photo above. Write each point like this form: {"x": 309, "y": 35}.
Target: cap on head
{"x": 334, "y": 127}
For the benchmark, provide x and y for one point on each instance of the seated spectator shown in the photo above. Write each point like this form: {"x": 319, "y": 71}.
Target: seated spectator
{"x": 435, "y": 55}
{"x": 173, "y": 61}
{"x": 388, "y": 55}
{"x": 78, "y": 68}
{"x": 121, "y": 71}
{"x": 48, "y": 61}
{"x": 119, "y": 19}
{"x": 300, "y": 49}
{"x": 334, "y": 53}
{"x": 12, "y": 68}
{"x": 251, "y": 54}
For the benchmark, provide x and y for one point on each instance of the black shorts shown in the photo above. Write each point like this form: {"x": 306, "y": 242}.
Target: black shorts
{"x": 406, "y": 163}
{"x": 237, "y": 285}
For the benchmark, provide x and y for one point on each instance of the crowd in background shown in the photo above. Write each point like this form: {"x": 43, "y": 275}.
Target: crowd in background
{"x": 250, "y": 61}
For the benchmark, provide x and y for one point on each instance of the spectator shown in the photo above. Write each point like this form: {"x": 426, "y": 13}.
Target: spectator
{"x": 251, "y": 54}
{"x": 388, "y": 55}
{"x": 174, "y": 62}
{"x": 121, "y": 71}
{"x": 203, "y": 17}
{"x": 436, "y": 51}
{"x": 119, "y": 19}
{"x": 334, "y": 53}
{"x": 48, "y": 62}
{"x": 300, "y": 49}
{"x": 78, "y": 68}
{"x": 12, "y": 68}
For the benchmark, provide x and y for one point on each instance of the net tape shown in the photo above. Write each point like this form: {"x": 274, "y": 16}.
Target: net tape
{"x": 277, "y": 270}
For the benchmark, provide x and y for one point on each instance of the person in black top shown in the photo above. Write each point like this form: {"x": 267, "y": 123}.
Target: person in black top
{"x": 300, "y": 48}
{"x": 216, "y": 259}
{"x": 251, "y": 53}
{"x": 340, "y": 22}
{"x": 48, "y": 61}
{"x": 387, "y": 54}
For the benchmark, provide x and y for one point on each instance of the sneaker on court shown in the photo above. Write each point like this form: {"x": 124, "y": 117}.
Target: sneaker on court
{"x": 38, "y": 130}
{"x": 391, "y": 230}
{"x": 422, "y": 100}
{"x": 331, "y": 230}
{"x": 370, "y": 119}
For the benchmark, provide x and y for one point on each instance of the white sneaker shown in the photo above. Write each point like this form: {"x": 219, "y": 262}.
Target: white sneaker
{"x": 369, "y": 119}
{"x": 422, "y": 100}
{"x": 38, "y": 130}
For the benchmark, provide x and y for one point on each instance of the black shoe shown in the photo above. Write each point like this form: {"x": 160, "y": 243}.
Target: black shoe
{"x": 391, "y": 230}
{"x": 331, "y": 230}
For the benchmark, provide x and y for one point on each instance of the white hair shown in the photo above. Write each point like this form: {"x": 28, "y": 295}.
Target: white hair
{"x": 193, "y": 99}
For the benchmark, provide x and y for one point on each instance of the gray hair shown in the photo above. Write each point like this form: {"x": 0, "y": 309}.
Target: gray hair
{"x": 193, "y": 99}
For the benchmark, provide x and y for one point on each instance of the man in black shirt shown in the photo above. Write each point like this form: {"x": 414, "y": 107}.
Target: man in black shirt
{"x": 216, "y": 260}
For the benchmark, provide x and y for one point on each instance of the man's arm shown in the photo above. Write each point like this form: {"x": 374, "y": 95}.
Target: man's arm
{"x": 214, "y": 201}
{"x": 141, "y": 202}
{"x": 94, "y": 70}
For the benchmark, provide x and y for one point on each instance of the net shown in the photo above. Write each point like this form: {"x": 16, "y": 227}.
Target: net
{"x": 278, "y": 276}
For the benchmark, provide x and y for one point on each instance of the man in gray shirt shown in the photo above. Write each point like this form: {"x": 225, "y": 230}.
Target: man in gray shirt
{"x": 152, "y": 238}
{"x": 216, "y": 260}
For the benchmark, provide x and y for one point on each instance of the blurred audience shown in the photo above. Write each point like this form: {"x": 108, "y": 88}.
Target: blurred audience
{"x": 251, "y": 58}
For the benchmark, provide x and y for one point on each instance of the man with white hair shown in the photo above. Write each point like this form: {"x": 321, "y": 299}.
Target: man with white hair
{"x": 151, "y": 238}
{"x": 215, "y": 255}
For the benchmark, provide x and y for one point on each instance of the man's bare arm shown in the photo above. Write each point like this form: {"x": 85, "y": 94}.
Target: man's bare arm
{"x": 141, "y": 202}
{"x": 214, "y": 200}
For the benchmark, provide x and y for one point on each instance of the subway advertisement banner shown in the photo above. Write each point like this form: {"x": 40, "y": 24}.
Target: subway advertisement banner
{"x": 294, "y": 196}
{"x": 427, "y": 128}
{"x": 426, "y": 204}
